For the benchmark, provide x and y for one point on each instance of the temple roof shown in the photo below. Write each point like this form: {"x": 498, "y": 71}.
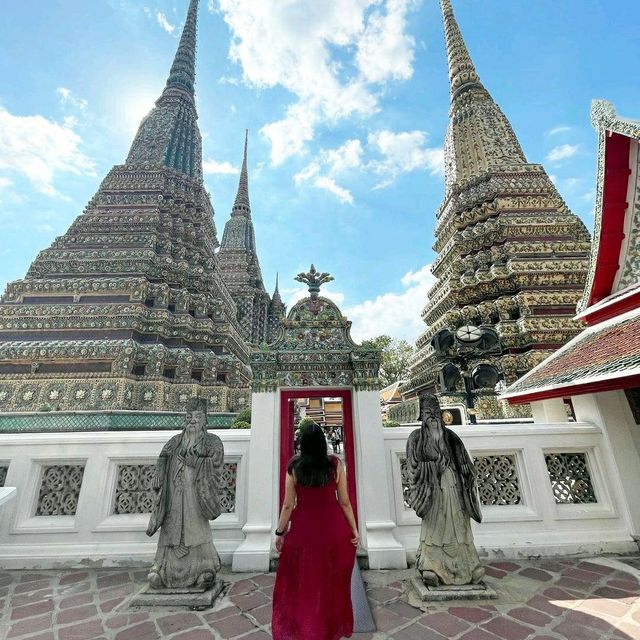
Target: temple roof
{"x": 169, "y": 136}
{"x": 615, "y": 252}
{"x": 605, "y": 356}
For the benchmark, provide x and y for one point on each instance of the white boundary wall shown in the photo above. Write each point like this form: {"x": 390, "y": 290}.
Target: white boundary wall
{"x": 94, "y": 536}
{"x": 538, "y": 526}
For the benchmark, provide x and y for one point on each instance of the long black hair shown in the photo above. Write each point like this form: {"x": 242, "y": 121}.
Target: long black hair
{"x": 312, "y": 467}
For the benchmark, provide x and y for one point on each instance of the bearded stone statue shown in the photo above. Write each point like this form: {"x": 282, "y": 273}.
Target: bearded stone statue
{"x": 444, "y": 494}
{"x": 186, "y": 480}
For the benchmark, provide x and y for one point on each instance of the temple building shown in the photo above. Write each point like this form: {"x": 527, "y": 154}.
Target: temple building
{"x": 510, "y": 255}
{"x": 132, "y": 308}
{"x": 240, "y": 269}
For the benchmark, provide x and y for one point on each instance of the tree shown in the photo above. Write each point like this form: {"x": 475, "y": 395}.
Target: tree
{"x": 396, "y": 355}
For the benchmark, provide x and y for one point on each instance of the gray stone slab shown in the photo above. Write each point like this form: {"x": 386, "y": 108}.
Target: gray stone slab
{"x": 480, "y": 591}
{"x": 189, "y": 598}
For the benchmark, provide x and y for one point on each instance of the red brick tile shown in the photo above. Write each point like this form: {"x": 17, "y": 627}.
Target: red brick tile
{"x": 416, "y": 631}
{"x": 268, "y": 591}
{"x": 264, "y": 580}
{"x": 43, "y": 636}
{"x": 576, "y": 586}
{"x": 222, "y": 613}
{"x": 610, "y": 592}
{"x": 116, "y": 592}
{"x": 471, "y": 614}
{"x": 113, "y": 579}
{"x": 76, "y": 601}
{"x": 124, "y": 620}
{"x": 232, "y": 626}
{"x": 495, "y": 573}
{"x": 178, "y": 622}
{"x": 478, "y": 634}
{"x": 73, "y": 578}
{"x": 31, "y": 610}
{"x": 551, "y": 565}
{"x": 612, "y": 608}
{"x": 77, "y": 613}
{"x": 34, "y": 577}
{"x": 542, "y": 604}
{"x": 6, "y": 579}
{"x": 555, "y": 593}
{"x": 83, "y": 631}
{"x": 250, "y": 600}
{"x": 625, "y": 585}
{"x": 445, "y": 623}
{"x": 508, "y": 629}
{"x": 30, "y": 625}
{"x": 596, "y": 568}
{"x": 403, "y": 609}
{"x": 262, "y": 614}
{"x": 505, "y": 566}
{"x": 261, "y": 635}
{"x": 536, "y": 574}
{"x": 587, "y": 620}
{"x": 242, "y": 586}
{"x": 110, "y": 605}
{"x": 29, "y": 587}
{"x": 576, "y": 632}
{"x": 144, "y": 631}
{"x": 629, "y": 629}
{"x": 31, "y": 597}
{"x": 195, "y": 634}
{"x": 589, "y": 577}
{"x": 530, "y": 616}
{"x": 387, "y": 620}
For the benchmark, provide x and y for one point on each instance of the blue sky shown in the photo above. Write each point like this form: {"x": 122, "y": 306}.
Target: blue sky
{"x": 346, "y": 102}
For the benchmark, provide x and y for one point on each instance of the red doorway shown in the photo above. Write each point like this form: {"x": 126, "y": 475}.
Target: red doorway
{"x": 287, "y": 428}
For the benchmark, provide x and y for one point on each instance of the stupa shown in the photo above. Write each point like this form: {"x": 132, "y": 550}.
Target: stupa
{"x": 129, "y": 309}
{"x": 240, "y": 268}
{"x": 511, "y": 255}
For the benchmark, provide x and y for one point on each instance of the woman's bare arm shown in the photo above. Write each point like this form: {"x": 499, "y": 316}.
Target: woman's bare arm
{"x": 345, "y": 503}
{"x": 288, "y": 504}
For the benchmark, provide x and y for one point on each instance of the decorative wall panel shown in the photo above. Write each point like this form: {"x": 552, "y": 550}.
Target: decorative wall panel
{"x": 570, "y": 478}
{"x": 59, "y": 490}
{"x": 3, "y": 474}
{"x": 498, "y": 482}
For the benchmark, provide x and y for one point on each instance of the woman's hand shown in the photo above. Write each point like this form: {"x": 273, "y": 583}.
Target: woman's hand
{"x": 355, "y": 541}
{"x": 279, "y": 543}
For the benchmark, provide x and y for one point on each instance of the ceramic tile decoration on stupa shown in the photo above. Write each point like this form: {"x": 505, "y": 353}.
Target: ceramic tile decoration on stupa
{"x": 511, "y": 256}
{"x": 259, "y": 315}
{"x": 129, "y": 308}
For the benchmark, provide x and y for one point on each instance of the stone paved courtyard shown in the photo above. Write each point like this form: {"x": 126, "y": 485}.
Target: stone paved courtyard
{"x": 595, "y": 599}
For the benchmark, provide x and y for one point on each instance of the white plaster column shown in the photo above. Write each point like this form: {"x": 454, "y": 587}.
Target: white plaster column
{"x": 374, "y": 507}
{"x": 254, "y": 552}
{"x": 610, "y": 411}
{"x": 550, "y": 411}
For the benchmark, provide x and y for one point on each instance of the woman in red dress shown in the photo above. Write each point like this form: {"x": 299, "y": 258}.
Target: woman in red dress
{"x": 312, "y": 594}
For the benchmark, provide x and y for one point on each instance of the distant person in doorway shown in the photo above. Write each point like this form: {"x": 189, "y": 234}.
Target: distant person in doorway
{"x": 317, "y": 537}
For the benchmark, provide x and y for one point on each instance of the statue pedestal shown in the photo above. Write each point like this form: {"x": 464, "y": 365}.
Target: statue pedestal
{"x": 445, "y": 592}
{"x": 192, "y": 598}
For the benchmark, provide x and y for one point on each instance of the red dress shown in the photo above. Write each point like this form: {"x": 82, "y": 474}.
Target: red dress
{"x": 312, "y": 594}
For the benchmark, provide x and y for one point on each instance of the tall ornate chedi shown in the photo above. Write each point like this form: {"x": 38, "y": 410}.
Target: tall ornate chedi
{"x": 240, "y": 269}
{"x": 511, "y": 256}
{"x": 128, "y": 309}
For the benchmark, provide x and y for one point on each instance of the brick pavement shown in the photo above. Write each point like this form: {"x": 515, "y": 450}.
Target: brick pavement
{"x": 597, "y": 599}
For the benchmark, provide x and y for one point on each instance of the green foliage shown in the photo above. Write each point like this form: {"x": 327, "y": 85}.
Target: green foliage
{"x": 389, "y": 424}
{"x": 243, "y": 416}
{"x": 306, "y": 422}
{"x": 396, "y": 355}
{"x": 241, "y": 424}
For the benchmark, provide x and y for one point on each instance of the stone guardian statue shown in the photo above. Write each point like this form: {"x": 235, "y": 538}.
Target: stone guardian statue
{"x": 186, "y": 480}
{"x": 444, "y": 494}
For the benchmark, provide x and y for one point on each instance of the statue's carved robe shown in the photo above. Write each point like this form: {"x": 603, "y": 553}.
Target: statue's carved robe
{"x": 443, "y": 494}
{"x": 188, "y": 476}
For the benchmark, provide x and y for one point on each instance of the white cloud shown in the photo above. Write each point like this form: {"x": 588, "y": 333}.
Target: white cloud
{"x": 334, "y": 162}
{"x": 395, "y": 314}
{"x": 562, "y": 152}
{"x": 4, "y": 183}
{"x": 556, "y": 130}
{"x": 39, "y": 149}
{"x": 164, "y": 23}
{"x": 590, "y": 196}
{"x": 68, "y": 100}
{"x": 385, "y": 50}
{"x": 294, "y": 45}
{"x": 213, "y": 166}
{"x": 404, "y": 152}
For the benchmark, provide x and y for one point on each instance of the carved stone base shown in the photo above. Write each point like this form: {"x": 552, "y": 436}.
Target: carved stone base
{"x": 445, "y": 592}
{"x": 192, "y": 598}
